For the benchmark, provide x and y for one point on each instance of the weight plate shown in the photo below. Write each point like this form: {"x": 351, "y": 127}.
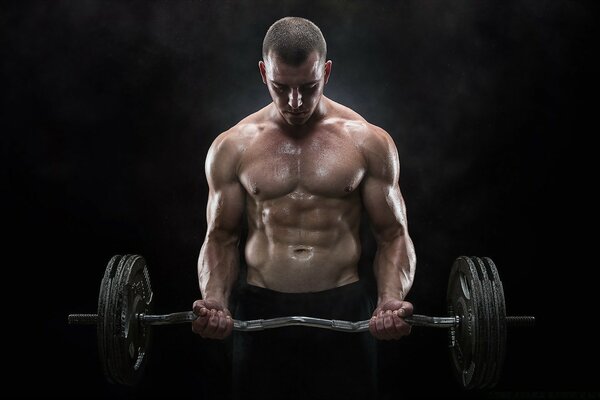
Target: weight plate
{"x": 103, "y": 334}
{"x": 135, "y": 339}
{"x": 465, "y": 299}
{"x": 112, "y": 314}
{"x": 501, "y": 319}
{"x": 123, "y": 342}
{"x": 487, "y": 320}
{"x": 131, "y": 339}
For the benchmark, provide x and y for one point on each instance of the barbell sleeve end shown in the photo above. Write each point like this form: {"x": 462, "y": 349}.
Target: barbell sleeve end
{"x": 83, "y": 319}
{"x": 525, "y": 321}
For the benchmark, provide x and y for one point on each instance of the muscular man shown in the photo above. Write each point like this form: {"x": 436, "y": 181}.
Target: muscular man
{"x": 303, "y": 169}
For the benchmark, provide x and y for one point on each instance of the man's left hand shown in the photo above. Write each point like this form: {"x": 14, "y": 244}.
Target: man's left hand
{"x": 387, "y": 322}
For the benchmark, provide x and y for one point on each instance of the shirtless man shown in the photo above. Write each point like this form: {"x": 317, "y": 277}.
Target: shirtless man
{"x": 303, "y": 169}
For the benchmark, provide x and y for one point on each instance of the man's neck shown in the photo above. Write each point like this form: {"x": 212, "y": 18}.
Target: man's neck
{"x": 300, "y": 130}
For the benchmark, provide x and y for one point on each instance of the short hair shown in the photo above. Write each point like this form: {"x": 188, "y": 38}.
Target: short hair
{"x": 294, "y": 39}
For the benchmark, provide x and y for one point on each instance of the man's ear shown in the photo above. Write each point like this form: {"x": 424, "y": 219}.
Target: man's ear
{"x": 328, "y": 65}
{"x": 263, "y": 71}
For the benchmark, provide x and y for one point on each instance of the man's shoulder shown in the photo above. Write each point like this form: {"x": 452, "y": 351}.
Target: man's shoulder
{"x": 227, "y": 148}
{"x": 236, "y": 138}
{"x": 354, "y": 124}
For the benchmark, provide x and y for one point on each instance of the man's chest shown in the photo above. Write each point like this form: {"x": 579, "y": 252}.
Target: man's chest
{"x": 321, "y": 166}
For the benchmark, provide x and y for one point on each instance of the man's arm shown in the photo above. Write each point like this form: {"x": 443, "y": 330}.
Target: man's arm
{"x": 395, "y": 260}
{"x": 218, "y": 263}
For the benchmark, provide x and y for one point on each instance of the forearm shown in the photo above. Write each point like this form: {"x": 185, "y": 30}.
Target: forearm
{"x": 218, "y": 267}
{"x": 394, "y": 268}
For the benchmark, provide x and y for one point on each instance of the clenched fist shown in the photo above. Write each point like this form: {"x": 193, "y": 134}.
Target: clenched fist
{"x": 214, "y": 320}
{"x": 387, "y": 322}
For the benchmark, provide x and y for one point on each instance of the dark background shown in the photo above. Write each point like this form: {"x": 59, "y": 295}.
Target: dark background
{"x": 108, "y": 110}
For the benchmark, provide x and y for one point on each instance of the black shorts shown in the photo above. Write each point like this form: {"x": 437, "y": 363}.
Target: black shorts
{"x": 300, "y": 362}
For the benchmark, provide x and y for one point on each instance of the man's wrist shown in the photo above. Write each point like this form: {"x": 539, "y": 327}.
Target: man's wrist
{"x": 382, "y": 299}
{"x": 215, "y": 300}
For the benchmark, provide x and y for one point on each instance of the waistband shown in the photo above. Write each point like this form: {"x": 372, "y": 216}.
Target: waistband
{"x": 270, "y": 294}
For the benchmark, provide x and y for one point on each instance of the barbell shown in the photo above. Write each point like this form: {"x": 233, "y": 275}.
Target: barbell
{"x": 476, "y": 321}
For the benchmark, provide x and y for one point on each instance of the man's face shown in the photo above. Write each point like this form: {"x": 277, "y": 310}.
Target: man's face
{"x": 295, "y": 91}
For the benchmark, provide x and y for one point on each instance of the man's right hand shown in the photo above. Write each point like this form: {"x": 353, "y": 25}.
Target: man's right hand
{"x": 214, "y": 321}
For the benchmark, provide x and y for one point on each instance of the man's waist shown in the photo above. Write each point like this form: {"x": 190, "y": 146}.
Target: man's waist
{"x": 302, "y": 276}
{"x": 349, "y": 301}
{"x": 259, "y": 289}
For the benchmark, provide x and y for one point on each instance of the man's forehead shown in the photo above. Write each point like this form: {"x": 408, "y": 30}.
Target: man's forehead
{"x": 277, "y": 69}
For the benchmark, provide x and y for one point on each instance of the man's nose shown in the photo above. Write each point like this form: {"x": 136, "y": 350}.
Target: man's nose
{"x": 295, "y": 98}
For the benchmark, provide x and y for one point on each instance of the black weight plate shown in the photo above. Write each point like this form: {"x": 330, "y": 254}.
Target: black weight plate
{"x": 487, "y": 320}
{"x": 465, "y": 299}
{"x": 501, "y": 319}
{"x": 113, "y": 315}
{"x": 479, "y": 378}
{"x": 134, "y": 338}
{"x": 494, "y": 323}
{"x": 131, "y": 294}
{"x": 101, "y": 326}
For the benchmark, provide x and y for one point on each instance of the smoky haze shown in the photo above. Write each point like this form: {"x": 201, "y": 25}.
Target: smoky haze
{"x": 110, "y": 108}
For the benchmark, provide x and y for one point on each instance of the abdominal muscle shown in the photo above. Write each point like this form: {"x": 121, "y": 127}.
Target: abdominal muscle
{"x": 293, "y": 250}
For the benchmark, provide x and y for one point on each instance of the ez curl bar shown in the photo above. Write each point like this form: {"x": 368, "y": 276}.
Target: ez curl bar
{"x": 476, "y": 321}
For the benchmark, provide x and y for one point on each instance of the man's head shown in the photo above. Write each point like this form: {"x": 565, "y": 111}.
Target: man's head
{"x": 294, "y": 67}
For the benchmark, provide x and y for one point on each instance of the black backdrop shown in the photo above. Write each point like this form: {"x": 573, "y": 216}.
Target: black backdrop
{"x": 109, "y": 108}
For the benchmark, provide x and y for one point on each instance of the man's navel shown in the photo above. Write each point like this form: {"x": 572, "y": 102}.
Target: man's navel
{"x": 301, "y": 253}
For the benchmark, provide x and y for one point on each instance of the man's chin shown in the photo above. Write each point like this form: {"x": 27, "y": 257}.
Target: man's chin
{"x": 296, "y": 120}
